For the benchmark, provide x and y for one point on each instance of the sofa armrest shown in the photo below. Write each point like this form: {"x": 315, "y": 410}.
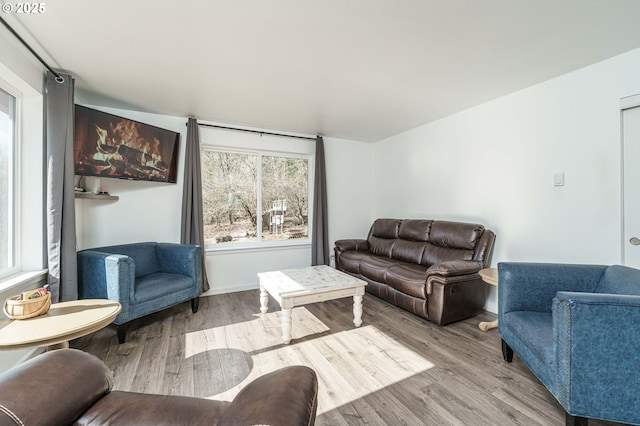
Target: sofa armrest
{"x": 106, "y": 276}
{"x": 182, "y": 259}
{"x": 285, "y": 397}
{"x": 53, "y": 388}
{"x": 455, "y": 290}
{"x": 597, "y": 350}
{"x": 352, "y": 245}
{"x": 452, "y": 272}
{"x": 453, "y": 268}
{"x": 532, "y": 286}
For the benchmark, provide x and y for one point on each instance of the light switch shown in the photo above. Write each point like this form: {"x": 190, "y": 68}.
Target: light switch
{"x": 558, "y": 179}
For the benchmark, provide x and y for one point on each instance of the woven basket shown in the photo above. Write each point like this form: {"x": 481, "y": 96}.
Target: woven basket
{"x": 18, "y": 309}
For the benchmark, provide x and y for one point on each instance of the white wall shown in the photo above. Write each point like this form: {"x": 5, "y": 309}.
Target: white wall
{"x": 17, "y": 59}
{"x": 350, "y": 188}
{"x": 493, "y": 164}
{"x": 149, "y": 211}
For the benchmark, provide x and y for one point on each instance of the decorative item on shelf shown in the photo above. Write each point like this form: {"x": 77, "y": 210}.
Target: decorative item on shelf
{"x": 78, "y": 183}
{"x": 103, "y": 192}
{"x": 29, "y": 304}
{"x": 92, "y": 184}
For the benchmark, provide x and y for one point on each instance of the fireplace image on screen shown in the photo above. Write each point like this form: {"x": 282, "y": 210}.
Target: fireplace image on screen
{"x": 107, "y": 145}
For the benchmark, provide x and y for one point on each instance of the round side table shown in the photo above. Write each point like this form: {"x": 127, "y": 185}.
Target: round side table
{"x": 65, "y": 321}
{"x": 489, "y": 276}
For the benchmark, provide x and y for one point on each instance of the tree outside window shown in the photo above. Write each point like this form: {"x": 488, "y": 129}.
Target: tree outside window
{"x": 254, "y": 197}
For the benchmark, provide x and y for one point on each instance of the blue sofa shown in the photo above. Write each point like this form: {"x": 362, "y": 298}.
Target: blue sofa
{"x": 144, "y": 277}
{"x": 577, "y": 328}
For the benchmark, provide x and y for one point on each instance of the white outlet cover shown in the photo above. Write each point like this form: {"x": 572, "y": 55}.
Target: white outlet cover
{"x": 558, "y": 179}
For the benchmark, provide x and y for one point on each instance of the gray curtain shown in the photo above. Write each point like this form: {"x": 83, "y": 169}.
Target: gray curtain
{"x": 192, "y": 231}
{"x": 320, "y": 231}
{"x": 60, "y": 203}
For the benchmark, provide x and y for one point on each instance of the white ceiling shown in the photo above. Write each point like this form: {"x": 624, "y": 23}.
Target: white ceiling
{"x": 353, "y": 69}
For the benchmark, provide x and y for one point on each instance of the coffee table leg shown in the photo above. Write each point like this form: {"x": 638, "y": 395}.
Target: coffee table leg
{"x": 264, "y": 300}
{"x": 357, "y": 311}
{"x": 286, "y": 325}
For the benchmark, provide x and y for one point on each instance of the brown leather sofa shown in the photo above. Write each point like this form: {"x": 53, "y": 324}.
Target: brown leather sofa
{"x": 428, "y": 267}
{"x": 70, "y": 387}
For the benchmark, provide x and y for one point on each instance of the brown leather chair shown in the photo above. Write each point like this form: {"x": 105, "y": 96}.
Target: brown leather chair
{"x": 71, "y": 387}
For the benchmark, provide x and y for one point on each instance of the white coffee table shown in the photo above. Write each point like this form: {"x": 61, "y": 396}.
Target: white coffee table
{"x": 301, "y": 286}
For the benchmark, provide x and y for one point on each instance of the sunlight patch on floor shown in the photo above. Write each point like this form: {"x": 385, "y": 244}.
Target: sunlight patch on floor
{"x": 356, "y": 353}
{"x": 255, "y": 335}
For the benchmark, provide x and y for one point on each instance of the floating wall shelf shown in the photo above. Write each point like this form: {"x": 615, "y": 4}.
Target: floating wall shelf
{"x": 89, "y": 196}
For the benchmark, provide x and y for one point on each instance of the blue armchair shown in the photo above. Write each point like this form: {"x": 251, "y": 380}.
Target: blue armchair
{"x": 577, "y": 328}
{"x": 143, "y": 277}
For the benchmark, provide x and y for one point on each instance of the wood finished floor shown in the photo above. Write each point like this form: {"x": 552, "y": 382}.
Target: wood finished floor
{"x": 396, "y": 369}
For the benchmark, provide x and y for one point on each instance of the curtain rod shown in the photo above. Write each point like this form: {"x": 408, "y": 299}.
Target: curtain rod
{"x": 59, "y": 78}
{"x": 256, "y": 131}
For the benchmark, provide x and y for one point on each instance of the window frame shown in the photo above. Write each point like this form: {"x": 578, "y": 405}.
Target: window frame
{"x": 14, "y": 183}
{"x": 260, "y": 244}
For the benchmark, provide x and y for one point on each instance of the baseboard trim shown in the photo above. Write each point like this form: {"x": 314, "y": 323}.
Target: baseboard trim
{"x": 232, "y": 289}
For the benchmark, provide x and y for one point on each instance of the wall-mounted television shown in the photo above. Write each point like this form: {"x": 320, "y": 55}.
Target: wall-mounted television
{"x": 106, "y": 145}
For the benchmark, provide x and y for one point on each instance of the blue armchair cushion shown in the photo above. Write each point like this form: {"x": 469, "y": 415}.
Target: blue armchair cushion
{"x": 531, "y": 326}
{"x": 155, "y": 286}
{"x": 144, "y": 256}
{"x": 619, "y": 280}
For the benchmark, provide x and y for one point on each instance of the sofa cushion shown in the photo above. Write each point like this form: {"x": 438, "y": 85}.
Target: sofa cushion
{"x": 350, "y": 260}
{"x": 436, "y": 254}
{"x": 619, "y": 280}
{"x": 409, "y": 279}
{"x": 455, "y": 235}
{"x": 154, "y": 286}
{"x": 415, "y": 230}
{"x": 375, "y": 267}
{"x": 408, "y": 251}
{"x": 385, "y": 228}
{"x": 381, "y": 246}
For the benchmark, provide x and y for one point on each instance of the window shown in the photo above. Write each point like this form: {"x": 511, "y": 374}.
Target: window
{"x": 7, "y": 184}
{"x": 254, "y": 197}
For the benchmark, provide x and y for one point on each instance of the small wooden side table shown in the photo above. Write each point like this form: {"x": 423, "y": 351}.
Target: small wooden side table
{"x": 63, "y": 322}
{"x": 489, "y": 276}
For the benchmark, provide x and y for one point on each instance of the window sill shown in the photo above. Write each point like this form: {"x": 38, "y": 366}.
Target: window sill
{"x": 247, "y": 248}
{"x": 14, "y": 284}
